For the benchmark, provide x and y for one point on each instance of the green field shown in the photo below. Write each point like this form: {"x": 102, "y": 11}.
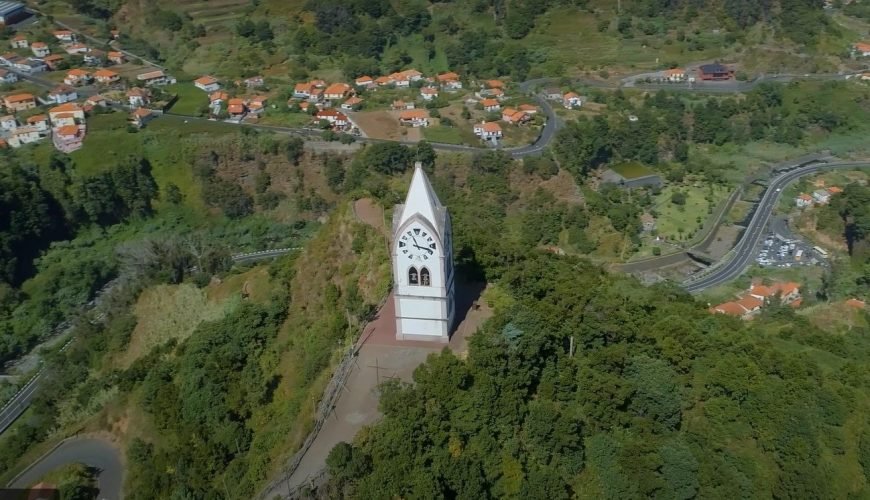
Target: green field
{"x": 672, "y": 217}
{"x": 447, "y": 135}
{"x": 632, "y": 170}
{"x": 191, "y": 100}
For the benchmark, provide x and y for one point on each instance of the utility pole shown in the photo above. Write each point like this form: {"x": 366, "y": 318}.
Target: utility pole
{"x": 571, "y": 348}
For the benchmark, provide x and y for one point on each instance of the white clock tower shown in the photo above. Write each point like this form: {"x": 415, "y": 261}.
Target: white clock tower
{"x": 423, "y": 264}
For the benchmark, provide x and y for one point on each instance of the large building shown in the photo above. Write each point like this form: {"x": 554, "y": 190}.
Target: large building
{"x": 12, "y": 12}
{"x": 423, "y": 265}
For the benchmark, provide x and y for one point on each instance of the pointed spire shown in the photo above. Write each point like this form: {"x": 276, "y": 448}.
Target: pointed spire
{"x": 422, "y": 199}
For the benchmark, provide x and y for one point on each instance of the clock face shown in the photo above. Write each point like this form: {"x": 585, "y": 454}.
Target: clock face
{"x": 417, "y": 244}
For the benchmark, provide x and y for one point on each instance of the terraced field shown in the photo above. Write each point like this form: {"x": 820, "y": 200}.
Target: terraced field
{"x": 216, "y": 15}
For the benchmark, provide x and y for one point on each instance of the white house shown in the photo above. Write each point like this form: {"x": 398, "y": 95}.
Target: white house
{"x": 571, "y": 100}
{"x": 490, "y": 105}
{"x": 76, "y": 77}
{"x": 349, "y": 104}
{"x": 40, "y": 49}
{"x": 334, "y": 117}
{"x": 64, "y": 35}
{"x": 365, "y": 82}
{"x": 821, "y": 196}
{"x": 337, "y": 91}
{"x": 76, "y": 48}
{"x": 62, "y": 94}
{"x": 8, "y": 122}
{"x": 40, "y": 122}
{"x": 803, "y": 200}
{"x": 24, "y": 135}
{"x": 414, "y": 117}
{"x": 138, "y": 97}
{"x": 449, "y": 81}
{"x": 423, "y": 270}
{"x": 861, "y": 49}
{"x": 19, "y": 42}
{"x": 207, "y": 83}
{"x": 30, "y": 65}
{"x": 157, "y": 77}
{"x": 68, "y": 113}
{"x": 428, "y": 93}
{"x": 488, "y": 130}
{"x": 7, "y": 77}
{"x": 674, "y": 74}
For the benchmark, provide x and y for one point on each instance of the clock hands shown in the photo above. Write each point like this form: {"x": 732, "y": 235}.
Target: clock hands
{"x": 424, "y": 248}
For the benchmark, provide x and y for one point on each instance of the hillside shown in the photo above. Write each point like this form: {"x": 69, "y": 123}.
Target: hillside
{"x": 518, "y": 38}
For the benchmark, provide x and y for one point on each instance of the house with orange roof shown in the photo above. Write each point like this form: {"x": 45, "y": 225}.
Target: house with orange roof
{"x": 96, "y": 100}
{"x": 207, "y": 83}
{"x": 449, "y": 81}
{"x": 40, "y": 49}
{"x": 19, "y": 41}
{"x": 156, "y": 77}
{"x": 493, "y": 84}
{"x": 856, "y": 303}
{"x": 364, "y": 81}
{"x": 729, "y": 308}
{"x": 352, "y": 103}
{"x": 24, "y": 135}
{"x": 488, "y": 130}
{"x": 674, "y": 75}
{"x": 257, "y": 104}
{"x": 236, "y": 108}
{"x": 571, "y": 100}
{"x": 335, "y": 118}
{"x": 218, "y": 97}
{"x": 835, "y": 190}
{"x": 428, "y": 93}
{"x": 529, "y": 109}
{"x": 803, "y": 200}
{"x": 302, "y": 90}
{"x": 19, "y": 102}
{"x": 382, "y": 81}
{"x": 106, "y": 76}
{"x": 68, "y": 138}
{"x": 7, "y": 77}
{"x": 787, "y": 292}
{"x": 400, "y": 104}
{"x": 337, "y": 91}
{"x": 68, "y": 113}
{"x": 116, "y": 57}
{"x": 39, "y": 121}
{"x": 64, "y": 35}
{"x": 138, "y": 97}
{"x": 414, "y": 117}
{"x": 141, "y": 116}
{"x": 77, "y": 76}
{"x": 861, "y": 49}
{"x": 53, "y": 61}
{"x": 490, "y": 105}
{"x": 514, "y": 116}
{"x": 76, "y": 48}
{"x": 62, "y": 94}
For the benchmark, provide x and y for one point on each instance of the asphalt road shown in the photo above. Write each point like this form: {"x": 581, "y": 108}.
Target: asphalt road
{"x": 744, "y": 251}
{"x": 18, "y": 404}
{"x": 97, "y": 453}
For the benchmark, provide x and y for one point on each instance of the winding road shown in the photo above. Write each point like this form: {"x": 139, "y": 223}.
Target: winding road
{"x": 743, "y": 252}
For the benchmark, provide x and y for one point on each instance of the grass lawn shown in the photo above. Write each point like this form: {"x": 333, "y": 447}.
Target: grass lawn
{"x": 447, "y": 135}
{"x": 190, "y": 99}
{"x": 689, "y": 217}
{"x": 632, "y": 170}
{"x": 284, "y": 118}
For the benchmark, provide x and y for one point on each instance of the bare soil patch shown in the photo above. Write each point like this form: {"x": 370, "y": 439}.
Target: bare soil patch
{"x": 385, "y": 125}
{"x": 368, "y": 211}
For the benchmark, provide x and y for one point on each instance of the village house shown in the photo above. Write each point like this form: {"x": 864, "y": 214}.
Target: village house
{"x": 62, "y": 94}
{"x": 138, "y": 97}
{"x": 7, "y": 77}
{"x": 68, "y": 138}
{"x": 257, "y": 104}
{"x": 861, "y": 49}
{"x": 803, "y": 200}
{"x": 40, "y": 49}
{"x": 364, "y": 81}
{"x": 218, "y": 98}
{"x": 96, "y": 100}
{"x": 115, "y": 34}
{"x": 9, "y": 58}
{"x": 647, "y": 222}
{"x": 19, "y": 102}
{"x": 414, "y": 117}
{"x": 19, "y": 41}
{"x": 715, "y": 72}
{"x": 514, "y": 116}
{"x": 821, "y": 196}
{"x": 316, "y": 95}
{"x": 302, "y": 90}
{"x": 24, "y": 135}
{"x": 571, "y": 100}
{"x": 106, "y": 76}
{"x": 76, "y": 48}
{"x": 157, "y": 77}
{"x": 116, "y": 57}
{"x": 490, "y": 105}
{"x": 8, "y": 122}
{"x": 529, "y": 109}
{"x": 758, "y": 296}
{"x": 493, "y": 84}
{"x": 30, "y": 65}
{"x": 53, "y": 61}
{"x": 400, "y": 105}
{"x": 68, "y": 113}
{"x": 335, "y": 118}
{"x": 236, "y": 109}
{"x": 76, "y": 77}
{"x": 254, "y": 82}
{"x": 674, "y": 75}
{"x": 95, "y": 57}
{"x": 428, "y": 93}
{"x": 352, "y": 103}
{"x": 207, "y": 83}
{"x": 64, "y": 35}
{"x": 449, "y": 81}
{"x": 40, "y": 122}
{"x": 337, "y": 91}
{"x": 141, "y": 116}
{"x": 383, "y": 81}
{"x": 488, "y": 130}
{"x": 553, "y": 94}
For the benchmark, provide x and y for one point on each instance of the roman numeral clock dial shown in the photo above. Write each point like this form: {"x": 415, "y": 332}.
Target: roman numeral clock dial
{"x": 417, "y": 245}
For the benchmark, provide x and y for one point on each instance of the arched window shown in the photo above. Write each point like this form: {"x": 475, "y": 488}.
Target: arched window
{"x": 413, "y": 277}
{"x": 425, "y": 280}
